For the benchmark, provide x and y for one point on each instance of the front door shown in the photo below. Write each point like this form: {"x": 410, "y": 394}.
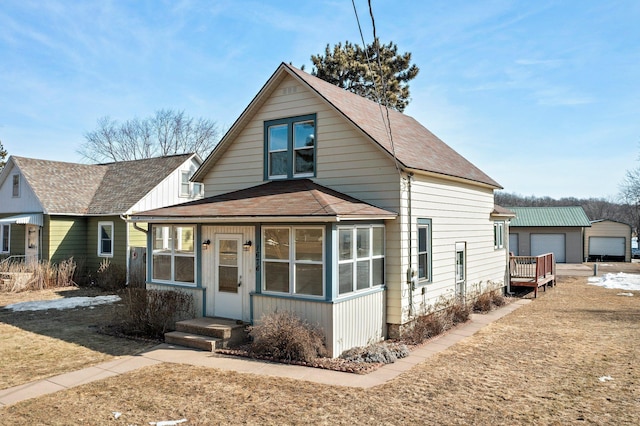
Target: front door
{"x": 228, "y": 276}
{"x": 32, "y": 243}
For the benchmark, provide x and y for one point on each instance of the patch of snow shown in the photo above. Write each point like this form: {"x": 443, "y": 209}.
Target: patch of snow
{"x": 625, "y": 294}
{"x": 65, "y": 303}
{"x": 116, "y": 414}
{"x": 168, "y": 422}
{"x": 605, "y": 378}
{"x": 620, "y": 281}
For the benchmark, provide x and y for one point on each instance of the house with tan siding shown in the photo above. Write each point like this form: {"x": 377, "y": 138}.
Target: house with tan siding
{"x": 607, "y": 240}
{"x": 52, "y": 210}
{"x": 315, "y": 203}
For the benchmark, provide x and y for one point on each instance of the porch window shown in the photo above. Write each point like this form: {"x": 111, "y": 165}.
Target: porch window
{"x": 360, "y": 258}
{"x": 290, "y": 148}
{"x": 424, "y": 249}
{"x": 498, "y": 235}
{"x": 293, "y": 260}
{"x": 105, "y": 239}
{"x": 173, "y": 257}
{"x": 16, "y": 186}
{"x": 5, "y": 237}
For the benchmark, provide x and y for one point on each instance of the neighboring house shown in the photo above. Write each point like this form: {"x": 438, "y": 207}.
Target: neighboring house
{"x": 557, "y": 230}
{"x": 317, "y": 205}
{"x": 607, "y": 240}
{"x": 51, "y": 210}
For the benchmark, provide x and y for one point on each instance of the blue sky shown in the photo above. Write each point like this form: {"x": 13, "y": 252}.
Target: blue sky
{"x": 544, "y": 96}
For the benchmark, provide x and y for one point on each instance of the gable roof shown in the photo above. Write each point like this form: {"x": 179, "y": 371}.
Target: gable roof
{"x": 85, "y": 189}
{"x": 550, "y": 216}
{"x": 274, "y": 200}
{"x": 414, "y": 146}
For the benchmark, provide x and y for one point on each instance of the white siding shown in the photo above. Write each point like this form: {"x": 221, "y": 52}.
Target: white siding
{"x": 26, "y": 203}
{"x": 167, "y": 192}
{"x": 459, "y": 213}
{"x": 347, "y": 324}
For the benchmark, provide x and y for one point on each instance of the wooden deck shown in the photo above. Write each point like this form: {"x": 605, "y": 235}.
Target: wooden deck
{"x": 533, "y": 271}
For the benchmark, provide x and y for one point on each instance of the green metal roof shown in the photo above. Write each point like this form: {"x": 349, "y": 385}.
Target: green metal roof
{"x": 549, "y": 216}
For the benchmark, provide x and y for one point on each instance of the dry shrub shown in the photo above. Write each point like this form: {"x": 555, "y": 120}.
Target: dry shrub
{"x": 110, "y": 276}
{"x": 488, "y": 301}
{"x": 437, "y": 322}
{"x": 382, "y": 353}
{"x": 285, "y": 336}
{"x": 151, "y": 313}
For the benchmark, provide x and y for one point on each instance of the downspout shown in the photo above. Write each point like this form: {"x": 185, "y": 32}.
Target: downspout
{"x": 410, "y": 271}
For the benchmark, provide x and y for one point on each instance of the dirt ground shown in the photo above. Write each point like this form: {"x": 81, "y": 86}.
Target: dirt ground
{"x": 571, "y": 356}
{"x": 39, "y": 344}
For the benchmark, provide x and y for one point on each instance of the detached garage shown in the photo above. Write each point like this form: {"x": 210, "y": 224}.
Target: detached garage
{"x": 608, "y": 240}
{"x": 541, "y": 230}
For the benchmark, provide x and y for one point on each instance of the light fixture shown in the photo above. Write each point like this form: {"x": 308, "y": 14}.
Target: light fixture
{"x": 247, "y": 245}
{"x": 206, "y": 244}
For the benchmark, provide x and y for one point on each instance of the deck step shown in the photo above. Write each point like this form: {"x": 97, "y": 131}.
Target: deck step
{"x": 189, "y": 340}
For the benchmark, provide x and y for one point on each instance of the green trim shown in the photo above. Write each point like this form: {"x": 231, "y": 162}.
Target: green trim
{"x": 289, "y": 121}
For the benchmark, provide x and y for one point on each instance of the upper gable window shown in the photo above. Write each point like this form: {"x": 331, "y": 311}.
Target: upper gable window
{"x": 16, "y": 186}
{"x": 290, "y": 147}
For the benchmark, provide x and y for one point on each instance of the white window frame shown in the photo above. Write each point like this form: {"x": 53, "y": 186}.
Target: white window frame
{"x": 293, "y": 262}
{"x": 102, "y": 253}
{"x": 185, "y": 187}
{"x": 5, "y": 235}
{"x": 498, "y": 235}
{"x": 461, "y": 262}
{"x": 360, "y": 257}
{"x": 15, "y": 191}
{"x": 170, "y": 236}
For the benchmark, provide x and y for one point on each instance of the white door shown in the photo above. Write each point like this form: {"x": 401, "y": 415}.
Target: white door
{"x": 607, "y": 246}
{"x": 228, "y": 276}
{"x": 32, "y": 243}
{"x": 549, "y": 243}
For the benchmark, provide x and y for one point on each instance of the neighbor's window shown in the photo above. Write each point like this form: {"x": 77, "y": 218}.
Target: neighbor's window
{"x": 360, "y": 258}
{"x": 293, "y": 260}
{"x": 5, "y": 231}
{"x": 290, "y": 147}
{"x": 498, "y": 235}
{"x": 173, "y": 257}
{"x": 16, "y": 185}
{"x": 105, "y": 239}
{"x": 424, "y": 249}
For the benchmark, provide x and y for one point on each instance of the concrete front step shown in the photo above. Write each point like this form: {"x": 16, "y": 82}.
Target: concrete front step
{"x": 227, "y": 332}
{"x": 189, "y": 340}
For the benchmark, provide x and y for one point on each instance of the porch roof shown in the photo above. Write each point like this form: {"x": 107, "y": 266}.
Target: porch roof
{"x": 24, "y": 219}
{"x": 290, "y": 200}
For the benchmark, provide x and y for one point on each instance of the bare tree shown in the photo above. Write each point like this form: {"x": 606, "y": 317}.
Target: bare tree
{"x": 3, "y": 155}
{"x": 630, "y": 194}
{"x": 167, "y": 132}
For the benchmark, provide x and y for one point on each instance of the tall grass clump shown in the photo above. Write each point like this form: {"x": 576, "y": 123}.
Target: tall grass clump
{"x": 20, "y": 276}
{"x": 443, "y": 317}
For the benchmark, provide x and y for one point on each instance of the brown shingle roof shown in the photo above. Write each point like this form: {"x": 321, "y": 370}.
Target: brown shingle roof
{"x": 277, "y": 199}
{"x": 415, "y": 147}
{"x": 71, "y": 188}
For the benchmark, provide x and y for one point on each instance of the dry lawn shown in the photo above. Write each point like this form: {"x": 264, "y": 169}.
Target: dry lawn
{"x": 40, "y": 344}
{"x": 539, "y": 365}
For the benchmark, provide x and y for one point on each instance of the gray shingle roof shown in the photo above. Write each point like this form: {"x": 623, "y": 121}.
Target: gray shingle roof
{"x": 549, "y": 216}
{"x": 277, "y": 199}
{"x": 415, "y": 147}
{"x": 86, "y": 189}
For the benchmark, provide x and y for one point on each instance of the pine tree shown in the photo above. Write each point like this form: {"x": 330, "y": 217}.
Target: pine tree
{"x": 3, "y": 155}
{"x": 359, "y": 71}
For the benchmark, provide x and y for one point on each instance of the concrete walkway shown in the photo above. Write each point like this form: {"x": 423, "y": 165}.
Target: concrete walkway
{"x": 181, "y": 355}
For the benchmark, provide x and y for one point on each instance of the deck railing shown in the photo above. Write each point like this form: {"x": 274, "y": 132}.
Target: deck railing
{"x": 532, "y": 266}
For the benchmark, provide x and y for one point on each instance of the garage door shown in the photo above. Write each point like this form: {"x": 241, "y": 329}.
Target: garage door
{"x": 549, "y": 243}
{"x": 607, "y": 246}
